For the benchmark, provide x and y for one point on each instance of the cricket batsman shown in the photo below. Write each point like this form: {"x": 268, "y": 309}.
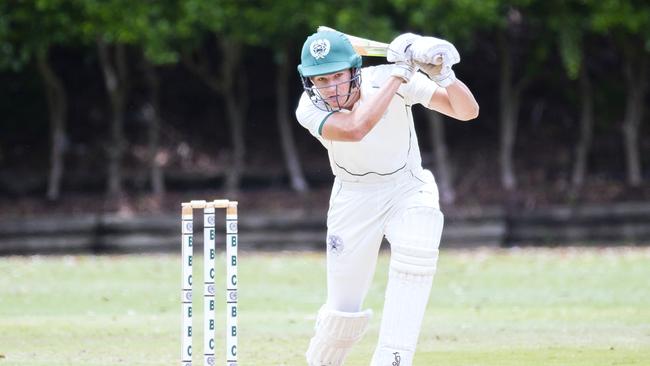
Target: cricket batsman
{"x": 362, "y": 116}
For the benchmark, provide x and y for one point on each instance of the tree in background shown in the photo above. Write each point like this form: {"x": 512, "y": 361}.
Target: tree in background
{"x": 515, "y": 74}
{"x": 28, "y": 32}
{"x": 294, "y": 15}
{"x": 458, "y": 22}
{"x": 571, "y": 25}
{"x": 628, "y": 24}
{"x": 157, "y": 38}
{"x": 221, "y": 22}
{"x": 213, "y": 39}
{"x": 110, "y": 25}
{"x": 119, "y": 28}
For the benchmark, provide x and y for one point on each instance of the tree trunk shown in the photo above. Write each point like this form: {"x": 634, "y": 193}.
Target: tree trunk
{"x": 58, "y": 106}
{"x": 508, "y": 114}
{"x": 636, "y": 84}
{"x": 439, "y": 150}
{"x": 234, "y": 92}
{"x": 231, "y": 85}
{"x": 152, "y": 116}
{"x": 291, "y": 157}
{"x": 586, "y": 129}
{"x": 113, "y": 65}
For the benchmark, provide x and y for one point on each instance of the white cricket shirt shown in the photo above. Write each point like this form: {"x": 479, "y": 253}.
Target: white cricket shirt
{"x": 391, "y": 147}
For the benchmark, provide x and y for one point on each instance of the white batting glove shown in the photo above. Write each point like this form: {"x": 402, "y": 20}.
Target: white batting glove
{"x": 398, "y": 49}
{"x": 430, "y": 70}
{"x": 442, "y": 74}
{"x": 404, "y": 70}
{"x": 446, "y": 77}
{"x": 431, "y": 50}
{"x": 399, "y": 52}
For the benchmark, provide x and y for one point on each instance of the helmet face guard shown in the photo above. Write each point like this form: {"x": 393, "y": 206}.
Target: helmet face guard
{"x": 324, "y": 53}
{"x": 334, "y": 102}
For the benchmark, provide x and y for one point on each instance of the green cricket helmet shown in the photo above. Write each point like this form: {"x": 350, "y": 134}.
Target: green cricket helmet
{"x": 327, "y": 52}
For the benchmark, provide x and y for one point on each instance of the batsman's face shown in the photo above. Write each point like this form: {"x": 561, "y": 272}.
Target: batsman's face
{"x": 334, "y": 88}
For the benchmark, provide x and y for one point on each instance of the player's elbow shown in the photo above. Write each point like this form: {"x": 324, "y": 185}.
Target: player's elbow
{"x": 357, "y": 133}
{"x": 469, "y": 114}
{"x": 346, "y": 133}
{"x": 358, "y": 130}
{"x": 353, "y": 127}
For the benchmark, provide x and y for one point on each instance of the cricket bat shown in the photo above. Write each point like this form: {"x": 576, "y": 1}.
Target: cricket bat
{"x": 364, "y": 47}
{"x": 368, "y": 47}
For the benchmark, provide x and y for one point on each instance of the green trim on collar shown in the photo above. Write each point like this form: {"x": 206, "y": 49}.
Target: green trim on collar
{"x": 322, "y": 123}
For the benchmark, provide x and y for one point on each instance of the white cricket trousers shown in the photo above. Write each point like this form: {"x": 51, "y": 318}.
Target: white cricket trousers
{"x": 359, "y": 216}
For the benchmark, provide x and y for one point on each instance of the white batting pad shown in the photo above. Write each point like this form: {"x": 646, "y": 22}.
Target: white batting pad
{"x": 336, "y": 333}
{"x": 414, "y": 256}
{"x": 413, "y": 260}
{"x": 407, "y": 294}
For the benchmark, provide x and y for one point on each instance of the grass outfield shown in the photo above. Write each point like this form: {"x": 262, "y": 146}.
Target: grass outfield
{"x": 488, "y": 307}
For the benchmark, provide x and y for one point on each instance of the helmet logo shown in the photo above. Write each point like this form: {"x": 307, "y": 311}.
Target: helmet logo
{"x": 319, "y": 48}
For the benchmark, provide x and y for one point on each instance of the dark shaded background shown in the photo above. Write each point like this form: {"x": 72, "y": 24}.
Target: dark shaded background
{"x": 196, "y": 149}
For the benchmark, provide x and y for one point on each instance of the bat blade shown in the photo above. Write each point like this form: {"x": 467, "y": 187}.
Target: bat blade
{"x": 363, "y": 46}
{"x": 368, "y": 47}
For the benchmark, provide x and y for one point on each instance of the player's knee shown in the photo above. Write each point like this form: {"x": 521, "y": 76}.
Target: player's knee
{"x": 413, "y": 260}
{"x": 418, "y": 227}
{"x": 415, "y": 242}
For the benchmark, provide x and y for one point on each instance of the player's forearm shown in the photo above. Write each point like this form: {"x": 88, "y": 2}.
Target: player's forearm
{"x": 462, "y": 101}
{"x": 366, "y": 116}
{"x": 354, "y": 126}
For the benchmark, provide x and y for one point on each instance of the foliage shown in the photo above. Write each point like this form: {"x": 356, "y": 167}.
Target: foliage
{"x": 632, "y": 17}
{"x": 571, "y": 24}
{"x": 537, "y": 31}
{"x": 452, "y": 20}
{"x": 148, "y": 24}
{"x": 31, "y": 27}
{"x": 627, "y": 21}
{"x": 367, "y": 18}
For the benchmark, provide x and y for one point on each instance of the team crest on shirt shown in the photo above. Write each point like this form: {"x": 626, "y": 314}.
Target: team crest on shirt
{"x": 319, "y": 48}
{"x": 334, "y": 244}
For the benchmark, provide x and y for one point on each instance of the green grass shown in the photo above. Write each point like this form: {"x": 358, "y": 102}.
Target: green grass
{"x": 488, "y": 307}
